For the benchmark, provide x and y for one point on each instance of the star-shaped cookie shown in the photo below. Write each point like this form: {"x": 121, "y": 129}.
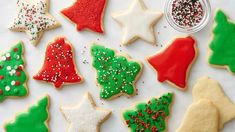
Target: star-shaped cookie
{"x": 85, "y": 117}
{"x": 86, "y": 14}
{"x": 33, "y": 18}
{"x": 137, "y": 22}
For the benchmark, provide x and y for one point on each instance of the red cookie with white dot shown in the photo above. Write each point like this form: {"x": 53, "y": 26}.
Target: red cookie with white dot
{"x": 59, "y": 67}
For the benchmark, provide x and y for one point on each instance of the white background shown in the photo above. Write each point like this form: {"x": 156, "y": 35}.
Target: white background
{"x": 72, "y": 94}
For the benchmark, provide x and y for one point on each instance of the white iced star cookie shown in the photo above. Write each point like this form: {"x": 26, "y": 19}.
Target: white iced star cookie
{"x": 85, "y": 117}
{"x": 137, "y": 22}
{"x": 33, "y": 18}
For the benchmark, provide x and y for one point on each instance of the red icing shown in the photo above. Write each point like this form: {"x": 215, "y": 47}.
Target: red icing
{"x": 173, "y": 63}
{"x": 86, "y": 14}
{"x": 58, "y": 66}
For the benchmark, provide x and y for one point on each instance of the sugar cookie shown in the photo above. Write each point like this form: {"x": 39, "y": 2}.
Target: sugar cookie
{"x": 137, "y": 22}
{"x": 34, "y": 120}
{"x": 12, "y": 74}
{"x": 85, "y": 117}
{"x": 33, "y": 18}
{"x": 149, "y": 117}
{"x": 201, "y": 116}
{"x": 222, "y": 45}
{"x": 86, "y": 14}
{"x": 210, "y": 89}
{"x": 174, "y": 62}
{"x": 59, "y": 67}
{"x": 116, "y": 74}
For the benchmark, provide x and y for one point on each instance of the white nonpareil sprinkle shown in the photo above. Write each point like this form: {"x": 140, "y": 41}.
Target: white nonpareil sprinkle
{"x": 8, "y": 68}
{"x": 7, "y": 88}
{"x": 13, "y": 83}
{"x": 8, "y": 55}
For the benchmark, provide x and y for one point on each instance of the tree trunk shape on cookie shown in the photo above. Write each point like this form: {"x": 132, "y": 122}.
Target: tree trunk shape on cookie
{"x": 149, "y": 117}
{"x": 34, "y": 120}
{"x": 86, "y": 14}
{"x": 173, "y": 63}
{"x": 115, "y": 74}
{"x": 59, "y": 67}
{"x": 222, "y": 45}
{"x": 12, "y": 75}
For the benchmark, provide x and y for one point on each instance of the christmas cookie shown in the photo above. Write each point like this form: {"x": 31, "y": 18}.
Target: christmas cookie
{"x": 210, "y": 89}
{"x": 201, "y": 116}
{"x": 85, "y": 117}
{"x": 149, "y": 117}
{"x": 33, "y": 18}
{"x": 33, "y": 120}
{"x": 86, "y": 14}
{"x": 12, "y": 75}
{"x": 137, "y": 22}
{"x": 116, "y": 74}
{"x": 222, "y": 45}
{"x": 174, "y": 62}
{"x": 59, "y": 67}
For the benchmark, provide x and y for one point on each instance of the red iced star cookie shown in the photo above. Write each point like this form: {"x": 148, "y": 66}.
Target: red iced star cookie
{"x": 173, "y": 63}
{"x": 59, "y": 67}
{"x": 86, "y": 14}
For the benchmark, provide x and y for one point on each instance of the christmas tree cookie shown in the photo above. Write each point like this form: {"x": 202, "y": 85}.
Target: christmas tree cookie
{"x": 12, "y": 75}
{"x": 33, "y": 18}
{"x": 150, "y": 116}
{"x": 59, "y": 67}
{"x": 222, "y": 45}
{"x": 34, "y": 120}
{"x": 116, "y": 74}
{"x": 174, "y": 62}
{"x": 86, "y": 14}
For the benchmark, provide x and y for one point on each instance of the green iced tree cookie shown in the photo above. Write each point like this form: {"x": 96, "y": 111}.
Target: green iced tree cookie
{"x": 34, "y": 120}
{"x": 115, "y": 74}
{"x": 222, "y": 45}
{"x": 12, "y": 74}
{"x": 149, "y": 117}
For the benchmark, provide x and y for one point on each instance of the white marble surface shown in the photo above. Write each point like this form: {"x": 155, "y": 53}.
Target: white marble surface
{"x": 72, "y": 94}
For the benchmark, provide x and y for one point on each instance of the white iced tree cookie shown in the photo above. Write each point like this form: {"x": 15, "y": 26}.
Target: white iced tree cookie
{"x": 137, "y": 22}
{"x": 85, "y": 117}
{"x": 33, "y": 18}
{"x": 207, "y": 88}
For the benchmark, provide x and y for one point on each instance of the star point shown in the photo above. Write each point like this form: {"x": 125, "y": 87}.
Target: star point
{"x": 137, "y": 22}
{"x": 85, "y": 116}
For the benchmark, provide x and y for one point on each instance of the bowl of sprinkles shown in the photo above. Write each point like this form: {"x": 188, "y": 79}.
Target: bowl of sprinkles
{"x": 188, "y": 16}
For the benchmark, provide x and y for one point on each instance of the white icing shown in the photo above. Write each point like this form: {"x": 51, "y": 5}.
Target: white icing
{"x": 138, "y": 22}
{"x": 84, "y": 117}
{"x": 32, "y": 17}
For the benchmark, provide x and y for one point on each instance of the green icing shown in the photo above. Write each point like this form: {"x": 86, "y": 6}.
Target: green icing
{"x": 34, "y": 120}
{"x": 223, "y": 43}
{"x": 115, "y": 74}
{"x": 149, "y": 117}
{"x": 12, "y": 75}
